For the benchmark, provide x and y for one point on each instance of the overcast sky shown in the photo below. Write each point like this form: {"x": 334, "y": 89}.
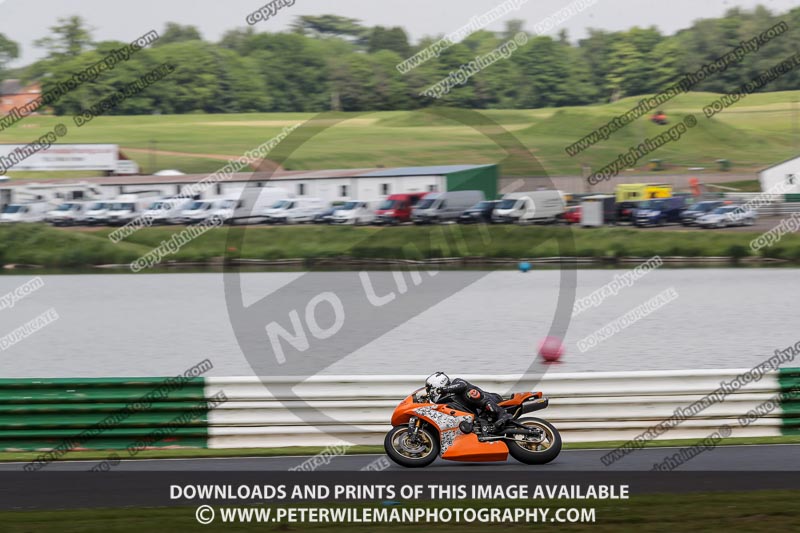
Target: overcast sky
{"x": 24, "y": 21}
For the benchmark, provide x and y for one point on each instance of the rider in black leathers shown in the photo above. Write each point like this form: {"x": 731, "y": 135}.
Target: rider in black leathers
{"x": 439, "y": 385}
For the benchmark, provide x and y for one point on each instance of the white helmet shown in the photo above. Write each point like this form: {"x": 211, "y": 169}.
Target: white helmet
{"x": 436, "y": 381}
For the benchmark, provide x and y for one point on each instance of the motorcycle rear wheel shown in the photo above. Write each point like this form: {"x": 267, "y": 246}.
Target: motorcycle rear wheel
{"x": 403, "y": 451}
{"x": 525, "y": 451}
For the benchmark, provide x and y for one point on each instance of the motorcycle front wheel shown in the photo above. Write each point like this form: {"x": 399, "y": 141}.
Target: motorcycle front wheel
{"x": 531, "y": 452}
{"x": 406, "y": 451}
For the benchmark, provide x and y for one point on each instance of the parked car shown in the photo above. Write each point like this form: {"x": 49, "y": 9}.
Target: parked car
{"x": 625, "y": 210}
{"x": 25, "y": 212}
{"x": 572, "y": 215}
{"x": 66, "y": 214}
{"x": 728, "y": 215}
{"x": 534, "y": 206}
{"x": 480, "y": 212}
{"x": 659, "y": 211}
{"x": 354, "y": 213}
{"x": 444, "y": 206}
{"x": 95, "y": 213}
{"x": 690, "y": 216}
{"x": 248, "y": 204}
{"x": 295, "y": 210}
{"x": 326, "y": 216}
{"x": 196, "y": 212}
{"x": 126, "y": 207}
{"x": 165, "y": 210}
{"x": 396, "y": 208}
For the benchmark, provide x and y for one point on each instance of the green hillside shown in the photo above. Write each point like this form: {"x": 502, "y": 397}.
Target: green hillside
{"x": 756, "y": 132}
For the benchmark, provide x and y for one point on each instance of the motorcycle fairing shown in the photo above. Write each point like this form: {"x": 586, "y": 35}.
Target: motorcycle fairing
{"x": 456, "y": 445}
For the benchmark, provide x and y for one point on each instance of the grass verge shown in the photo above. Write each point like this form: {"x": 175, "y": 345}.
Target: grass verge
{"x": 192, "y": 453}
{"x": 52, "y": 247}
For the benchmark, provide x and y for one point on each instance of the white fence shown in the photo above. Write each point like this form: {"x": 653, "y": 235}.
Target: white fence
{"x": 586, "y": 407}
{"x": 776, "y": 205}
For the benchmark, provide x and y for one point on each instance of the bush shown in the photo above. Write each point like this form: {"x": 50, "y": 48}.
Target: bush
{"x": 737, "y": 251}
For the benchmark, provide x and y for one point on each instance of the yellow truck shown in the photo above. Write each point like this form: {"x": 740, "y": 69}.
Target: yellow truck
{"x": 635, "y": 192}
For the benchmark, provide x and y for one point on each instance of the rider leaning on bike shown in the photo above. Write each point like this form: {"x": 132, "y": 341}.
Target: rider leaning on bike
{"x": 439, "y": 386}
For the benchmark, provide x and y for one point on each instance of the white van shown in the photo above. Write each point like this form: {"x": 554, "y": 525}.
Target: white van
{"x": 197, "y": 211}
{"x": 249, "y": 204}
{"x": 355, "y": 213}
{"x": 95, "y": 213}
{"x": 294, "y": 210}
{"x": 66, "y": 214}
{"x": 164, "y": 210}
{"x": 444, "y": 206}
{"x": 127, "y": 207}
{"x": 26, "y": 212}
{"x": 528, "y": 207}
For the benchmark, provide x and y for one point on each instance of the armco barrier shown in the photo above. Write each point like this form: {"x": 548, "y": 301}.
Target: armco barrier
{"x": 586, "y": 407}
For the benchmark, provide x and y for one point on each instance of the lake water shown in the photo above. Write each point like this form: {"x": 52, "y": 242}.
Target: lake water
{"x": 460, "y": 321}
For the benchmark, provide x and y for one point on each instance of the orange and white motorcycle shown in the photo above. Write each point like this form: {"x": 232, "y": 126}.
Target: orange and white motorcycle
{"x": 422, "y": 430}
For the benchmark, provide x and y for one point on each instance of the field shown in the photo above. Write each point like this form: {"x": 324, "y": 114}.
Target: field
{"x": 756, "y": 132}
{"x": 53, "y": 247}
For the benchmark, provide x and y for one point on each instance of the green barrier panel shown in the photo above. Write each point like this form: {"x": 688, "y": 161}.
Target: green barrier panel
{"x": 99, "y": 390}
{"x": 119, "y": 419}
{"x": 102, "y": 413}
{"x": 118, "y": 446}
{"x": 108, "y": 408}
{"x": 126, "y": 433}
{"x": 47, "y": 383}
{"x": 789, "y": 382}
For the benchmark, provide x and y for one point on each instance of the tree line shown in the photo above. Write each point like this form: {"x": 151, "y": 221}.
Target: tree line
{"x": 330, "y": 62}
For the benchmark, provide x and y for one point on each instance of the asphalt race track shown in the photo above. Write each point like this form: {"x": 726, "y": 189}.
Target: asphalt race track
{"x": 778, "y": 457}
